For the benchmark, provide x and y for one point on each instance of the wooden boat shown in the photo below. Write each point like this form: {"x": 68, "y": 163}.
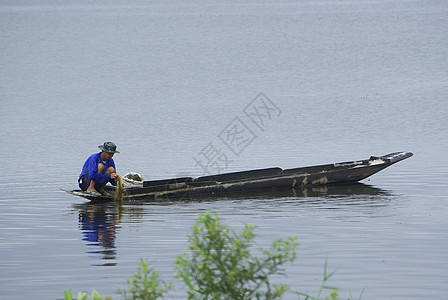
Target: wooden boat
{"x": 256, "y": 180}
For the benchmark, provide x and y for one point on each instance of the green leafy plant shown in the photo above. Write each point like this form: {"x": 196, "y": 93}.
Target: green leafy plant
{"x": 145, "y": 285}
{"x": 221, "y": 266}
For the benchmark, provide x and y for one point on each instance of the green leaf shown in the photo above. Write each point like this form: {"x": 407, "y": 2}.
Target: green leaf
{"x": 82, "y": 296}
{"x": 68, "y": 294}
{"x": 96, "y": 295}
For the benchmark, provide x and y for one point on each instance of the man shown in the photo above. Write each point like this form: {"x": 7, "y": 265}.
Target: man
{"x": 98, "y": 170}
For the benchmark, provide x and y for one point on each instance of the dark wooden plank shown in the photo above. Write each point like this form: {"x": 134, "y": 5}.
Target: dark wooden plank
{"x": 244, "y": 175}
{"x": 327, "y": 168}
{"x": 166, "y": 181}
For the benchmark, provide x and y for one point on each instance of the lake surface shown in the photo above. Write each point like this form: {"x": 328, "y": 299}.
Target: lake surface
{"x": 341, "y": 80}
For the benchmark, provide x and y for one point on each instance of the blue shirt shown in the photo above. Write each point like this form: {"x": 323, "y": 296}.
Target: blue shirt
{"x": 91, "y": 168}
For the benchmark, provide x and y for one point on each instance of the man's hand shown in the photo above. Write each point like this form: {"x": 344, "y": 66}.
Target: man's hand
{"x": 114, "y": 176}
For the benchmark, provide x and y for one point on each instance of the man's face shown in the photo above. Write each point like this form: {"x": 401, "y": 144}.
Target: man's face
{"x": 106, "y": 155}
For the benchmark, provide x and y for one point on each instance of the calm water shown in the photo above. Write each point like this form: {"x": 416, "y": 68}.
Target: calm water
{"x": 166, "y": 82}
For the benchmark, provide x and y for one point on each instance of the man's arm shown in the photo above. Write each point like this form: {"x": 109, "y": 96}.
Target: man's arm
{"x": 94, "y": 175}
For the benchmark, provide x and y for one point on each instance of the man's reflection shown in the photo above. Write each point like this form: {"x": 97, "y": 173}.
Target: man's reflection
{"x": 98, "y": 223}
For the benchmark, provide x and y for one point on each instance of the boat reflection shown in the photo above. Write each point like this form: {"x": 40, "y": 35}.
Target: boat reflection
{"x": 350, "y": 190}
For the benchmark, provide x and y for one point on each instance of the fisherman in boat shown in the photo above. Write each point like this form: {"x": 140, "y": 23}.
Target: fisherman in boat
{"x": 98, "y": 170}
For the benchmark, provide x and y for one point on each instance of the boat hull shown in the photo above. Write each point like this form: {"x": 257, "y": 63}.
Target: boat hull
{"x": 257, "y": 180}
